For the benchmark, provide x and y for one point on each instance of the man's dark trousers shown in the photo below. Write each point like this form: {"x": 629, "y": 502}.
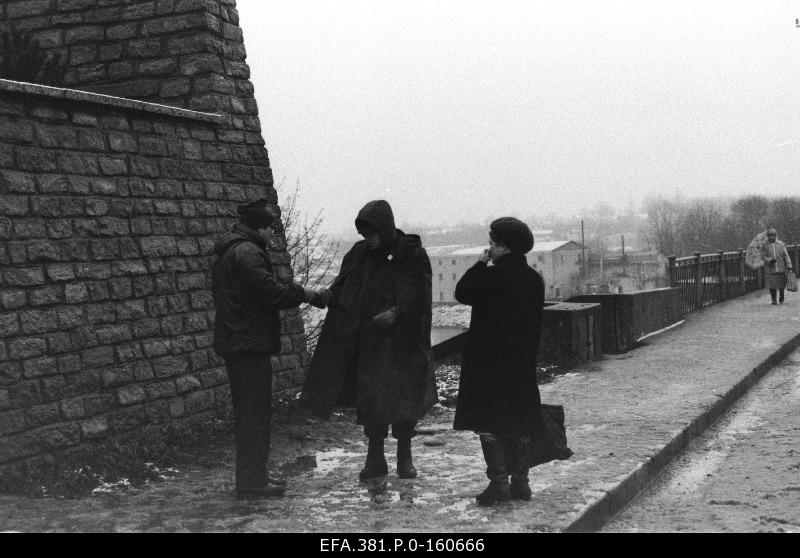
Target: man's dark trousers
{"x": 250, "y": 377}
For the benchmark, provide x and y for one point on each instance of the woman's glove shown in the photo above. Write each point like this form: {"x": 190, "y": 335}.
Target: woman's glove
{"x": 386, "y": 319}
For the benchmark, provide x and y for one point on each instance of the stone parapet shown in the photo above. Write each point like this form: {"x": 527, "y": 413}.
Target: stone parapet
{"x": 628, "y": 317}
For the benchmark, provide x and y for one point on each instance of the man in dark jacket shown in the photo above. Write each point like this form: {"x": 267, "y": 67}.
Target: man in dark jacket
{"x": 498, "y": 396}
{"x": 247, "y": 297}
{"x": 374, "y": 351}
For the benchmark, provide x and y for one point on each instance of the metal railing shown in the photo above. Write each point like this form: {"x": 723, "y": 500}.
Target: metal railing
{"x": 705, "y": 279}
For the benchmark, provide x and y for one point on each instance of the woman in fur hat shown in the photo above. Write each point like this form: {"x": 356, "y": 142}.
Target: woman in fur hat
{"x": 498, "y": 396}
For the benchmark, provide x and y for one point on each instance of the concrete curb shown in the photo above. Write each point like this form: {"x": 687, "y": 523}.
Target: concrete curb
{"x": 599, "y": 513}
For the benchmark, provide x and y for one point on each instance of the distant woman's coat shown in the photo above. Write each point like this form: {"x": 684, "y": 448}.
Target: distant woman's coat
{"x": 775, "y": 273}
{"x": 498, "y": 393}
{"x": 386, "y": 374}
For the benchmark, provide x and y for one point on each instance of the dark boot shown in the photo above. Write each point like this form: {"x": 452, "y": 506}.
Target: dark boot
{"x": 405, "y": 466}
{"x": 275, "y": 481}
{"x": 498, "y": 489}
{"x": 517, "y": 451}
{"x": 257, "y": 493}
{"x": 774, "y": 294}
{"x": 780, "y": 299}
{"x": 376, "y": 465}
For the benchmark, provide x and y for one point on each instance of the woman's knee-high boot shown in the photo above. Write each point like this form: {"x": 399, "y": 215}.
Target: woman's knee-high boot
{"x": 498, "y": 489}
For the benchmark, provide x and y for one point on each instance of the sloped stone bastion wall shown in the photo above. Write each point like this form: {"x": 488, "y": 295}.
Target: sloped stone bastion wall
{"x": 109, "y": 209}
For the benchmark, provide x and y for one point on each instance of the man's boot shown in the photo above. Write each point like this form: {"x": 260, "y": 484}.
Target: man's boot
{"x": 376, "y": 465}
{"x": 405, "y": 466}
{"x": 518, "y": 465}
{"x": 498, "y": 489}
{"x": 260, "y": 492}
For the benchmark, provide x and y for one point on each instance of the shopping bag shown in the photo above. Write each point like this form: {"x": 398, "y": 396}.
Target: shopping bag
{"x": 549, "y": 437}
{"x": 791, "y": 281}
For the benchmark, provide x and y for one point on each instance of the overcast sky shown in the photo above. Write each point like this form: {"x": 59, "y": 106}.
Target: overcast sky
{"x": 465, "y": 110}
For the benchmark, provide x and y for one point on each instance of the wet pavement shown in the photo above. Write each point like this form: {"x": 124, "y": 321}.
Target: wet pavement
{"x": 627, "y": 416}
{"x": 742, "y": 475}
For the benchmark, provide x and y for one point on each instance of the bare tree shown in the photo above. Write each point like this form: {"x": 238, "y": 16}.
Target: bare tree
{"x": 312, "y": 254}
{"x": 663, "y": 223}
{"x": 700, "y": 226}
{"x": 784, "y": 215}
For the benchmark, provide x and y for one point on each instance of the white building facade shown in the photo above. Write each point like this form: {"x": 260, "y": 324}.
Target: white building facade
{"x": 558, "y": 261}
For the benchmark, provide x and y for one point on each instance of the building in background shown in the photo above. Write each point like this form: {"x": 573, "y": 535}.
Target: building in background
{"x": 558, "y": 261}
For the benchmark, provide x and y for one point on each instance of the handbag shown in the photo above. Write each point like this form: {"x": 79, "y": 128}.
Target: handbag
{"x": 549, "y": 437}
{"x": 791, "y": 281}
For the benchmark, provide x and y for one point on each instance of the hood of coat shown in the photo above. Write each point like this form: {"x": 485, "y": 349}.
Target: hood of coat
{"x": 406, "y": 245}
{"x": 379, "y": 214}
{"x": 239, "y": 233}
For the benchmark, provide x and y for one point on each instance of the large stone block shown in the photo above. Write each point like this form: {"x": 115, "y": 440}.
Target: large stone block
{"x": 26, "y": 347}
{"x": 12, "y": 421}
{"x": 129, "y": 395}
{"x": 42, "y": 415}
{"x": 9, "y": 324}
{"x": 38, "y": 367}
{"x": 59, "y": 436}
{"x": 95, "y": 428}
{"x": 10, "y": 372}
{"x": 98, "y": 403}
{"x": 25, "y": 393}
{"x": 98, "y": 357}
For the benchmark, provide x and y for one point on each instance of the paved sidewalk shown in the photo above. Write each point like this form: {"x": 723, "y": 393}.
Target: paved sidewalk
{"x": 627, "y": 415}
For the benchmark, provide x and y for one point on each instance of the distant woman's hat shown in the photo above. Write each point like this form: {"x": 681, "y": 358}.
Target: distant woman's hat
{"x": 256, "y": 215}
{"x": 512, "y": 233}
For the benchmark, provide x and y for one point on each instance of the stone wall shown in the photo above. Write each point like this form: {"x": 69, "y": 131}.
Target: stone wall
{"x": 187, "y": 53}
{"x": 571, "y": 334}
{"x": 108, "y": 212}
{"x": 627, "y": 317}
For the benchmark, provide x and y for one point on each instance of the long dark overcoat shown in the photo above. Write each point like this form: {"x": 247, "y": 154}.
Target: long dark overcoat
{"x": 497, "y": 390}
{"x": 386, "y": 374}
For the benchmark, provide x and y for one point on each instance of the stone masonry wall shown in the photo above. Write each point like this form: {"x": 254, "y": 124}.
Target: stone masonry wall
{"x": 107, "y": 222}
{"x": 187, "y": 53}
{"x": 108, "y": 213}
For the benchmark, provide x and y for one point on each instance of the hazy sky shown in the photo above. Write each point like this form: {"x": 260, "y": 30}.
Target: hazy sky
{"x": 453, "y": 111}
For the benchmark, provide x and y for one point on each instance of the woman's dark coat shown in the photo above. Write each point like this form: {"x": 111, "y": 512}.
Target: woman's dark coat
{"x": 247, "y": 295}
{"x": 498, "y": 392}
{"x": 387, "y": 375}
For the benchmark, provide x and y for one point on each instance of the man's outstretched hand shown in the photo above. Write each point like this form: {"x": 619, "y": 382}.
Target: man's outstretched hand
{"x": 321, "y": 298}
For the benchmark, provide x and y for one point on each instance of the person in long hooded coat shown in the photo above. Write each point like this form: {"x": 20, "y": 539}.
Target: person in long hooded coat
{"x": 498, "y": 396}
{"x": 776, "y": 264}
{"x": 374, "y": 350}
{"x": 247, "y": 297}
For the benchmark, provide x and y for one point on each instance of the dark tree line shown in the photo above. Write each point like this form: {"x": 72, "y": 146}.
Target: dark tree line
{"x": 676, "y": 226}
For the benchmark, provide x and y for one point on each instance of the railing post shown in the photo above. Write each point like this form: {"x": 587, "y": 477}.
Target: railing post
{"x": 741, "y": 272}
{"x": 723, "y": 291}
{"x": 698, "y": 280}
{"x": 796, "y": 261}
{"x": 671, "y": 270}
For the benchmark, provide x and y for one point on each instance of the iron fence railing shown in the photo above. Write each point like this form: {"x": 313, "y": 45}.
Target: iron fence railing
{"x": 705, "y": 279}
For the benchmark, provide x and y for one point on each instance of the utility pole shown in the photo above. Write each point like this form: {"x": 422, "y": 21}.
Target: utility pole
{"x": 624, "y": 267}
{"x": 583, "y": 251}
